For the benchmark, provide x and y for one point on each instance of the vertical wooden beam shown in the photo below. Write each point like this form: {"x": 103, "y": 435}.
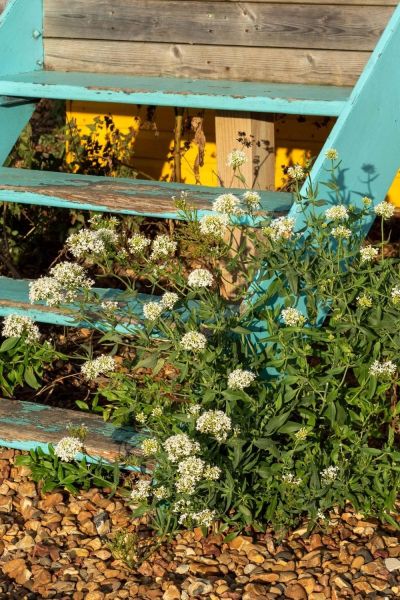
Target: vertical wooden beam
{"x": 258, "y": 171}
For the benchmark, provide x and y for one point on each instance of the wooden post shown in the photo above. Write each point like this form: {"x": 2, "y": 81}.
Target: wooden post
{"x": 258, "y": 171}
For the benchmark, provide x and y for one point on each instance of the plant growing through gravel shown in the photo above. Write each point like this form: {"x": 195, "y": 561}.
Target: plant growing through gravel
{"x": 255, "y": 411}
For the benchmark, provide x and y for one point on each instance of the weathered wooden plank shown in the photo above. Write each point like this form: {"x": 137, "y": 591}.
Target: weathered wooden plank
{"x": 117, "y": 195}
{"x": 221, "y": 23}
{"x": 157, "y": 91}
{"x": 27, "y": 425}
{"x": 279, "y": 65}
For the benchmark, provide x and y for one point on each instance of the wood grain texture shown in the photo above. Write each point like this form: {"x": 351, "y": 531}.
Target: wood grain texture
{"x": 212, "y": 62}
{"x": 27, "y": 425}
{"x": 116, "y": 195}
{"x": 219, "y": 23}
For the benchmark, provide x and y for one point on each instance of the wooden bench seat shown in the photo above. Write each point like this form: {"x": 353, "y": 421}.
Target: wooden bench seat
{"x": 192, "y": 93}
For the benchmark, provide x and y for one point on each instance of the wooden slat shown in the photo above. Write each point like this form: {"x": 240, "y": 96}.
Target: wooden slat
{"x": 27, "y": 425}
{"x": 189, "y": 93}
{"x": 213, "y": 62}
{"x": 116, "y": 195}
{"x": 221, "y": 23}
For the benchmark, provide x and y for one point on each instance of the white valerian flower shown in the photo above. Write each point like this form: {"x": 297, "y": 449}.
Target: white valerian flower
{"x": 46, "y": 289}
{"x": 72, "y": 277}
{"x": 321, "y": 515}
{"x": 160, "y": 493}
{"x": 337, "y": 213}
{"x": 152, "y": 310}
{"x": 384, "y": 210}
{"x": 200, "y": 278}
{"x": 163, "y": 247}
{"x": 366, "y": 201}
{"x": 67, "y": 448}
{"x": 296, "y": 172}
{"x": 169, "y": 299}
{"x": 141, "y": 491}
{"x": 227, "y": 204}
{"x": 190, "y": 472}
{"x": 180, "y": 446}
{"x": 364, "y": 301}
{"x": 368, "y": 253}
{"x": 214, "y": 225}
{"x": 383, "y": 369}
{"x": 138, "y": 243}
{"x": 280, "y": 229}
{"x": 240, "y": 379}
{"x": 109, "y": 307}
{"x": 251, "y": 200}
{"x": 215, "y": 423}
{"x": 292, "y": 317}
{"x": 193, "y": 341}
{"x": 20, "y": 326}
{"x": 150, "y": 446}
{"x": 157, "y": 412}
{"x": 98, "y": 366}
{"x": 332, "y": 154}
{"x": 341, "y": 232}
{"x": 395, "y": 295}
{"x": 141, "y": 418}
{"x": 89, "y": 241}
{"x": 329, "y": 474}
{"x": 194, "y": 410}
{"x": 236, "y": 159}
{"x": 291, "y": 479}
{"x": 301, "y": 434}
{"x": 212, "y": 473}
{"x": 204, "y": 518}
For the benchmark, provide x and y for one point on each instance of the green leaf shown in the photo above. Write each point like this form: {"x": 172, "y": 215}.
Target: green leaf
{"x": 9, "y": 344}
{"x": 30, "y": 378}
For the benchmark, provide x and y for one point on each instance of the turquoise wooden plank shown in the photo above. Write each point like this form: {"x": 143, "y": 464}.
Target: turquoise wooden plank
{"x": 164, "y": 91}
{"x": 28, "y": 425}
{"x": 117, "y": 195}
{"x": 14, "y": 299}
{"x": 21, "y": 49}
{"x": 367, "y": 138}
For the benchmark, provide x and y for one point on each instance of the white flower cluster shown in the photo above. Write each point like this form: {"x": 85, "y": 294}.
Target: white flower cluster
{"x": 341, "y": 232}
{"x": 236, "y": 159}
{"x": 368, "y": 253}
{"x": 157, "y": 412}
{"x": 190, "y": 472}
{"x": 329, "y": 474}
{"x": 65, "y": 281}
{"x": 160, "y": 493}
{"x": 240, "y": 379}
{"x": 395, "y": 295}
{"x": 153, "y": 310}
{"x": 212, "y": 473}
{"x": 19, "y": 326}
{"x": 67, "y": 448}
{"x": 163, "y": 247}
{"x": 193, "y": 341}
{"x": 88, "y": 241}
{"x": 301, "y": 434}
{"x": 150, "y": 447}
{"x": 200, "y": 278}
{"x": 215, "y": 423}
{"x": 291, "y": 479}
{"x": 141, "y": 491}
{"x": 337, "y": 213}
{"x": 292, "y": 317}
{"x": 141, "y": 418}
{"x": 332, "y": 154}
{"x": 280, "y": 229}
{"x": 194, "y": 410}
{"x": 384, "y": 210}
{"x": 252, "y": 200}
{"x": 214, "y": 225}
{"x": 364, "y": 301}
{"x": 296, "y": 172}
{"x": 204, "y": 518}
{"x": 180, "y": 446}
{"x": 138, "y": 243}
{"x": 227, "y": 204}
{"x": 98, "y": 366}
{"x": 383, "y": 369}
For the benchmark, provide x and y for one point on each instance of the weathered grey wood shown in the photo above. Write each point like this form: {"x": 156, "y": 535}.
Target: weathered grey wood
{"x": 26, "y": 425}
{"x": 208, "y": 62}
{"x": 220, "y": 23}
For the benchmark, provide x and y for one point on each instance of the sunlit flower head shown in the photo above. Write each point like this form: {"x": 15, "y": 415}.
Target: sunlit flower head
{"x": 236, "y": 159}
{"x": 227, "y": 204}
{"x": 239, "y": 379}
{"x": 332, "y": 154}
{"x": 193, "y": 341}
{"x": 68, "y": 448}
{"x": 385, "y": 210}
{"x": 292, "y": 317}
{"x": 215, "y": 423}
{"x": 200, "y": 278}
{"x": 368, "y": 253}
{"x": 341, "y": 232}
{"x": 337, "y": 213}
{"x": 214, "y": 225}
{"x": 384, "y": 370}
{"x": 152, "y": 310}
{"x": 252, "y": 200}
{"x": 141, "y": 491}
{"x": 180, "y": 446}
{"x": 296, "y": 172}
{"x": 101, "y": 365}
{"x": 138, "y": 243}
{"x": 20, "y": 327}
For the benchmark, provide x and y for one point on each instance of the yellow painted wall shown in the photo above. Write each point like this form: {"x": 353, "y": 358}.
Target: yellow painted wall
{"x": 296, "y": 138}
